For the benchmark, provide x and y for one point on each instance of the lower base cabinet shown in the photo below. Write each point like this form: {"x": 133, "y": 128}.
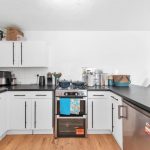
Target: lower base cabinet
{"x": 30, "y": 113}
{"x": 99, "y": 113}
{"x": 20, "y": 114}
{"x": 42, "y": 114}
{"x": 3, "y": 115}
{"x": 116, "y": 119}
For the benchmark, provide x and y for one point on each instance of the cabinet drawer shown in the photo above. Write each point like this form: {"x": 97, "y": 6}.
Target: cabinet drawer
{"x": 20, "y": 94}
{"x": 97, "y": 94}
{"x": 42, "y": 95}
{"x": 32, "y": 94}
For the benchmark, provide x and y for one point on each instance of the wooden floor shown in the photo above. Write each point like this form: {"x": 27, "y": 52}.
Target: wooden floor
{"x": 47, "y": 142}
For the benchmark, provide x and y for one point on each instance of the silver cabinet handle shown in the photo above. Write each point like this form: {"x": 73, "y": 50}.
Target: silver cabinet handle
{"x": 40, "y": 95}
{"x": 98, "y": 95}
{"x": 119, "y": 111}
{"x": 112, "y": 117}
{"x": 35, "y": 114}
{"x": 21, "y": 53}
{"x": 114, "y": 98}
{"x": 20, "y": 95}
{"x": 13, "y": 54}
{"x": 60, "y": 117}
{"x": 92, "y": 114}
{"x": 25, "y": 114}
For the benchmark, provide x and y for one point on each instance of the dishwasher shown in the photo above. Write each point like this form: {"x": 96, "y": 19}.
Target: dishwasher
{"x": 136, "y": 127}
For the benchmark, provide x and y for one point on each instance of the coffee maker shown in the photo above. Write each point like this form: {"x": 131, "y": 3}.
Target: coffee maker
{"x": 5, "y": 78}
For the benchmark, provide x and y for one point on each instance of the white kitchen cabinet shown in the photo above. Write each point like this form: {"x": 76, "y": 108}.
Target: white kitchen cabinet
{"x": 117, "y": 122}
{"x": 99, "y": 112}
{"x": 20, "y": 113}
{"x": 6, "y": 54}
{"x": 3, "y": 115}
{"x": 33, "y": 54}
{"x": 23, "y": 54}
{"x": 42, "y": 114}
{"x": 31, "y": 111}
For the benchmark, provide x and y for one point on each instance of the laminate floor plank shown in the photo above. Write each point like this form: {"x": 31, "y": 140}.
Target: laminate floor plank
{"x": 47, "y": 142}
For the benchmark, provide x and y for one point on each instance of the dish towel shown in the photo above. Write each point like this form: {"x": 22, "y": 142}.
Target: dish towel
{"x": 65, "y": 106}
{"x": 75, "y": 106}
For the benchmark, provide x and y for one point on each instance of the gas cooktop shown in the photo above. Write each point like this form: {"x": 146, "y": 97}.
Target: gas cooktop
{"x": 72, "y": 87}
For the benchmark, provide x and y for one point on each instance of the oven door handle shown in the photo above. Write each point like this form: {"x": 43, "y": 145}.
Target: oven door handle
{"x": 60, "y": 117}
{"x": 71, "y": 96}
{"x": 81, "y": 99}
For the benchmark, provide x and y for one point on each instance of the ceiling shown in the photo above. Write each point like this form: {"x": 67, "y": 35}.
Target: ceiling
{"x": 76, "y": 14}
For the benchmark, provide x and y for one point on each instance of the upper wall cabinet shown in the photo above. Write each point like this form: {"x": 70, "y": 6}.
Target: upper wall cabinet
{"x": 6, "y": 54}
{"x": 33, "y": 54}
{"x": 23, "y": 54}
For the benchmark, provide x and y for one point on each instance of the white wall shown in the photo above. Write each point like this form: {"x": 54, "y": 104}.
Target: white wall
{"x": 69, "y": 51}
{"x": 80, "y": 15}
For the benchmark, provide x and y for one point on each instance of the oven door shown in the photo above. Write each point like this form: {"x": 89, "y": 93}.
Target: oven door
{"x": 83, "y": 106}
{"x": 71, "y": 126}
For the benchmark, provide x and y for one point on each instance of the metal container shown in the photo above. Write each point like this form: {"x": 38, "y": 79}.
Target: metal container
{"x": 64, "y": 84}
{"x": 91, "y": 78}
{"x": 104, "y": 79}
{"x": 42, "y": 80}
{"x": 98, "y": 77}
{"x": 84, "y": 76}
{"x": 5, "y": 78}
{"x": 49, "y": 79}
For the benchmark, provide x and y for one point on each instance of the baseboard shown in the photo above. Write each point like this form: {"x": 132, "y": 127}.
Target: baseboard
{"x": 3, "y": 135}
{"x": 11, "y": 132}
{"x": 49, "y": 131}
{"x": 97, "y": 131}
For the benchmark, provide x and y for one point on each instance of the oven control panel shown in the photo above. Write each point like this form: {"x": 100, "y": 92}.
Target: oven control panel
{"x": 68, "y": 93}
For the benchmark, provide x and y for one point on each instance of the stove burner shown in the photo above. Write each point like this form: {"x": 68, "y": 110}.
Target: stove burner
{"x": 79, "y": 87}
{"x": 74, "y": 85}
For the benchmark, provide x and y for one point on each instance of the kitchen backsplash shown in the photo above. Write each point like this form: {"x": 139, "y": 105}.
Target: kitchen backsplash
{"x": 26, "y": 75}
{"x": 29, "y": 75}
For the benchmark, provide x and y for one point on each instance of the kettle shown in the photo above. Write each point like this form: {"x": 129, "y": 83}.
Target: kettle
{"x": 42, "y": 81}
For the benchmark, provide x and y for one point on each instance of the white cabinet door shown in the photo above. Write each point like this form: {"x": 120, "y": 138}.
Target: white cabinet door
{"x": 33, "y": 54}
{"x": 20, "y": 114}
{"x": 99, "y": 112}
{"x": 117, "y": 122}
{"x": 3, "y": 115}
{"x": 23, "y": 54}
{"x": 42, "y": 114}
{"x": 7, "y": 53}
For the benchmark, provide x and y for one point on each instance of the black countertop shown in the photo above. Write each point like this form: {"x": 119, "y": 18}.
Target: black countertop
{"x": 3, "y": 89}
{"x": 31, "y": 87}
{"x": 137, "y": 95}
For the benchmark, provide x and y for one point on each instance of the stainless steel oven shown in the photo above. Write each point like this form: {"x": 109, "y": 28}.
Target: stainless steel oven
{"x": 71, "y": 125}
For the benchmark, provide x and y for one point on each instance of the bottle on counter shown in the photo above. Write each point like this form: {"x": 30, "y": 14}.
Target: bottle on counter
{"x": 104, "y": 79}
{"x": 91, "y": 78}
{"x": 84, "y": 76}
